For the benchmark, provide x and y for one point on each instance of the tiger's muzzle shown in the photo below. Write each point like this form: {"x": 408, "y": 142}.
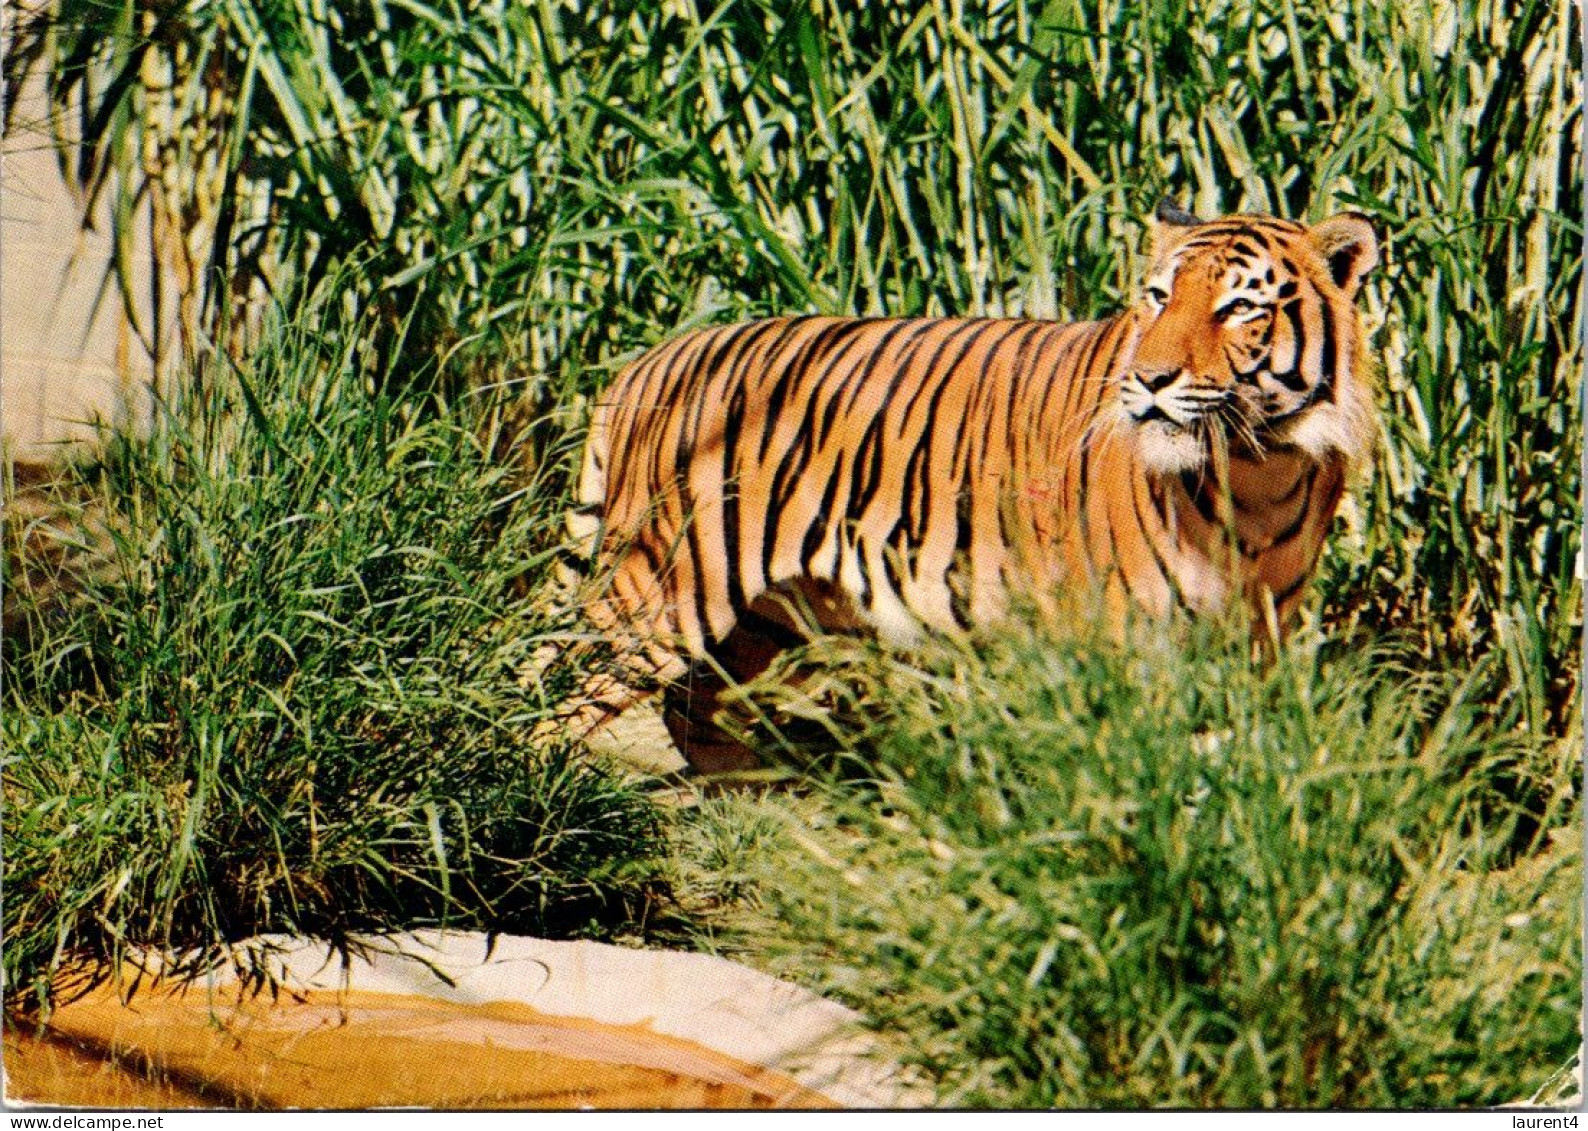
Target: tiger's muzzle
{"x": 1172, "y": 396}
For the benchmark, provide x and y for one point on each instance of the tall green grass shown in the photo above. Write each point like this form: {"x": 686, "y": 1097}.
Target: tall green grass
{"x": 1068, "y": 874}
{"x": 549, "y": 187}
{"x": 286, "y": 693}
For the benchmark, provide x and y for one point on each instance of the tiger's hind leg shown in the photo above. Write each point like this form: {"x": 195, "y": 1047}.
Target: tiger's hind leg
{"x": 612, "y": 712}
{"x": 689, "y": 711}
{"x": 692, "y": 705}
{"x": 694, "y": 693}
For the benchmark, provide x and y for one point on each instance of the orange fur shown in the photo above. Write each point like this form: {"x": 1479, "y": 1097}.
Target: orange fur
{"x": 895, "y": 475}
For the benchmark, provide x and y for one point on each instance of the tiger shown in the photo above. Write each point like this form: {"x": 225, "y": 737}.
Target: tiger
{"x": 898, "y": 476}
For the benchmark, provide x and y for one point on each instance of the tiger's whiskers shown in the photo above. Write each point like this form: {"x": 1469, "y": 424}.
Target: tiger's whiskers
{"x": 1235, "y": 416}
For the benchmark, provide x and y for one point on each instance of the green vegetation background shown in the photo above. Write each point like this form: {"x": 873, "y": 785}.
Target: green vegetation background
{"x": 264, "y": 668}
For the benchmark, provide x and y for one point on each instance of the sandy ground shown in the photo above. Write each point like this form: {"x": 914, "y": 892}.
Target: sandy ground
{"x": 360, "y": 1050}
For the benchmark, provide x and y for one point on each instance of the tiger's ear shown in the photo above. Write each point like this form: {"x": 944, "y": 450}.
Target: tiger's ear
{"x": 1348, "y": 247}
{"x": 1169, "y": 224}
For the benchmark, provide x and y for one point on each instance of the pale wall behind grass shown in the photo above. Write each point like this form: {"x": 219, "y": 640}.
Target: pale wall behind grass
{"x": 70, "y": 354}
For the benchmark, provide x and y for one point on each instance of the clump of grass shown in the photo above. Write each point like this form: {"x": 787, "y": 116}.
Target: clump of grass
{"x": 1079, "y": 876}
{"x": 282, "y": 691}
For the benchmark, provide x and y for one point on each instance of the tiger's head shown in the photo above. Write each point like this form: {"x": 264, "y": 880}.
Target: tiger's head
{"x": 1247, "y": 334}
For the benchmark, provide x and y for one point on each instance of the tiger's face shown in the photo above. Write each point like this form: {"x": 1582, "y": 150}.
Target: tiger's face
{"x": 1249, "y": 336}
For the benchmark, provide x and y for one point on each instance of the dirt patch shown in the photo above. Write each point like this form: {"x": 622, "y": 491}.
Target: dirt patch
{"x": 54, "y": 1071}
{"x": 323, "y": 1049}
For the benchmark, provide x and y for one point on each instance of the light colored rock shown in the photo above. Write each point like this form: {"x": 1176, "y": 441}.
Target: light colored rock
{"x": 720, "y": 1005}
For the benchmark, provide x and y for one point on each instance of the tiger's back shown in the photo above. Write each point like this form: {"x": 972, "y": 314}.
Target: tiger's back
{"x": 888, "y": 459}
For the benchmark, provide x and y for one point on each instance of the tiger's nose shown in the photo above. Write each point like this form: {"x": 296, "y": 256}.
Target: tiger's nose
{"x": 1155, "y": 379}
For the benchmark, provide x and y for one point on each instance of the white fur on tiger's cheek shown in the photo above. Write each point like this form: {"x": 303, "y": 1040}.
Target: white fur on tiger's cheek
{"x": 1164, "y": 447}
{"x": 1346, "y": 427}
